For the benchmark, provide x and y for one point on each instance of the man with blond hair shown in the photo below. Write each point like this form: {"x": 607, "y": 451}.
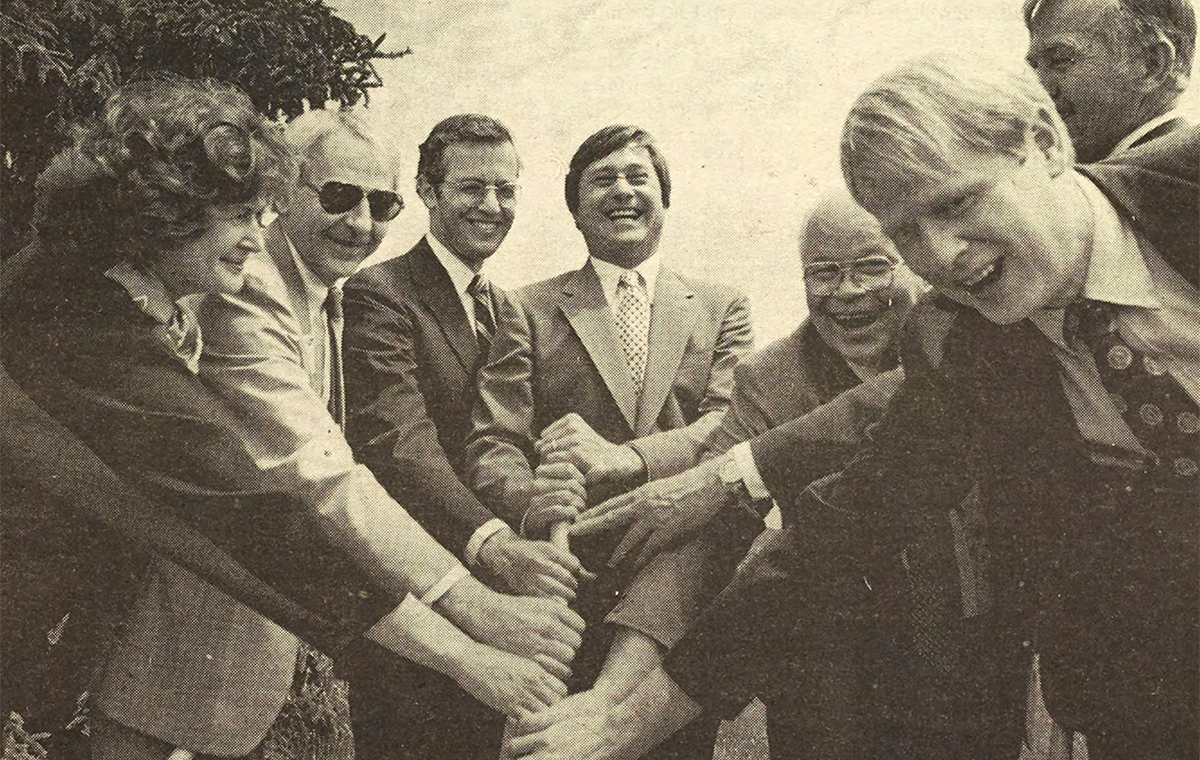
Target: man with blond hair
{"x": 1064, "y": 390}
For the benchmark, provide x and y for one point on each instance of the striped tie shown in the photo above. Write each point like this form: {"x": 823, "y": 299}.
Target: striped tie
{"x": 485, "y": 324}
{"x": 337, "y": 388}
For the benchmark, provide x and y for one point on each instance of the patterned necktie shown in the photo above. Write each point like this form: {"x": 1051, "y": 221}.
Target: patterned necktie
{"x": 485, "y": 324}
{"x": 337, "y": 387}
{"x": 1154, "y": 405}
{"x": 633, "y": 323}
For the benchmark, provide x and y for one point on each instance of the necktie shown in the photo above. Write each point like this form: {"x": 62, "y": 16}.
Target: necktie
{"x": 1153, "y": 404}
{"x": 633, "y": 323}
{"x": 337, "y": 388}
{"x": 485, "y": 324}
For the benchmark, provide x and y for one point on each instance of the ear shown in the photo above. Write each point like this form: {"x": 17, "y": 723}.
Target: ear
{"x": 1050, "y": 139}
{"x": 1159, "y": 60}
{"x": 427, "y": 192}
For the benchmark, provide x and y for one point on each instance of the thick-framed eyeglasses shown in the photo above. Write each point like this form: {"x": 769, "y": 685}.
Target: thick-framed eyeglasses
{"x": 506, "y": 192}
{"x": 340, "y": 197}
{"x": 871, "y": 273}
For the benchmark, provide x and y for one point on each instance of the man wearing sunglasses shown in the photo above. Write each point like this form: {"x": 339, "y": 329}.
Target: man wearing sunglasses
{"x": 273, "y": 352}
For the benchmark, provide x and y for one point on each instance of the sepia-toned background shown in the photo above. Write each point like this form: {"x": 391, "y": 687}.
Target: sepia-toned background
{"x": 746, "y": 98}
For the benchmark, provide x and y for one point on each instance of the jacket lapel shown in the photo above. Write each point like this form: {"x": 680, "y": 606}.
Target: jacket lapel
{"x": 437, "y": 292}
{"x": 588, "y": 313}
{"x": 281, "y": 254}
{"x": 673, "y": 313}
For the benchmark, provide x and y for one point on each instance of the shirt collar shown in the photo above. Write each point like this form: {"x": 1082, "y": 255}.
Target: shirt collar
{"x": 1116, "y": 271}
{"x": 315, "y": 290}
{"x": 610, "y": 275}
{"x": 1137, "y": 134}
{"x": 460, "y": 274}
{"x": 177, "y": 329}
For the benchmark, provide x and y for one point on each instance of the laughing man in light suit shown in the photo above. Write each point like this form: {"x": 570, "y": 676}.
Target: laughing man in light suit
{"x": 614, "y": 372}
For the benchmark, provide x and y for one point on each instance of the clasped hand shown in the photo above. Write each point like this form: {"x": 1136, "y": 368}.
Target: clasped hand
{"x": 571, "y": 440}
{"x": 659, "y": 514}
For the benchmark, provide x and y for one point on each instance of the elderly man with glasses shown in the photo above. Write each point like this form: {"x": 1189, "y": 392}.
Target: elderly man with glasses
{"x": 859, "y": 295}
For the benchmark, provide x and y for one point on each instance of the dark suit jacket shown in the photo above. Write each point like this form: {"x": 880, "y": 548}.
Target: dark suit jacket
{"x": 166, "y": 475}
{"x": 1109, "y": 577}
{"x": 410, "y": 361}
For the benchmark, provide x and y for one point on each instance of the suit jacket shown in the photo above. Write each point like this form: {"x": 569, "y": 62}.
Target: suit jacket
{"x": 196, "y": 666}
{"x": 78, "y": 346}
{"x": 556, "y": 352}
{"x": 781, "y": 382}
{"x": 410, "y": 361}
{"x": 1104, "y": 572}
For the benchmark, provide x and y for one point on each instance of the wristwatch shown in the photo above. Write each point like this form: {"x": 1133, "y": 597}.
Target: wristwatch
{"x": 731, "y": 475}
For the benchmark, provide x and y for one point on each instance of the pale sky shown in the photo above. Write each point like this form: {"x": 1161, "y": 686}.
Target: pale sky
{"x": 746, "y": 99}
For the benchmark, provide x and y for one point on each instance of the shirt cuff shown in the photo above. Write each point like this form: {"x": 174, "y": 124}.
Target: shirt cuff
{"x": 744, "y": 457}
{"x": 441, "y": 587}
{"x": 398, "y": 619}
{"x": 481, "y": 534}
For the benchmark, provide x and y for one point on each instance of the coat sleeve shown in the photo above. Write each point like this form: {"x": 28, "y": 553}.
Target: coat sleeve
{"x": 252, "y": 360}
{"x": 496, "y": 460}
{"x": 389, "y": 427}
{"x": 673, "y": 451}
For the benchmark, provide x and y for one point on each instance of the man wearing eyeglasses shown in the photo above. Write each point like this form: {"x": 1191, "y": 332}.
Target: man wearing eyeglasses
{"x": 417, "y": 328}
{"x": 606, "y": 376}
{"x": 273, "y": 352}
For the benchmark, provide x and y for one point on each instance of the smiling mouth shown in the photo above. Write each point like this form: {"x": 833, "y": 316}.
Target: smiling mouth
{"x": 990, "y": 274}
{"x": 487, "y": 225}
{"x": 236, "y": 264}
{"x": 628, "y": 214}
{"x": 856, "y": 321}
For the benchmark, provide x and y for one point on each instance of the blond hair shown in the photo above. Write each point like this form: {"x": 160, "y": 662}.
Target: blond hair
{"x": 900, "y": 132}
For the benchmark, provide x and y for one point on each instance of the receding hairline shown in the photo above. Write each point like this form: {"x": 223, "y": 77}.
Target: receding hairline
{"x": 838, "y": 213}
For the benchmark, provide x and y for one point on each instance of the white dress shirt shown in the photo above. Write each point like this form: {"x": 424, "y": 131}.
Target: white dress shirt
{"x": 610, "y": 276}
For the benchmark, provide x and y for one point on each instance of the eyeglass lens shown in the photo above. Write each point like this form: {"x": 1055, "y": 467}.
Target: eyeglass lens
{"x": 871, "y": 273}
{"x": 477, "y": 191}
{"x": 340, "y": 197}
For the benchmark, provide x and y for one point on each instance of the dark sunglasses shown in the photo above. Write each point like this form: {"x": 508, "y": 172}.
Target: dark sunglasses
{"x": 339, "y": 197}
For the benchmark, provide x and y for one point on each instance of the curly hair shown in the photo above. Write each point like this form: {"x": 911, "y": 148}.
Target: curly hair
{"x": 162, "y": 150}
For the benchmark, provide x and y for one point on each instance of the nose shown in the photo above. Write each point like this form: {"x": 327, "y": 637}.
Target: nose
{"x": 941, "y": 243}
{"x": 490, "y": 201}
{"x": 359, "y": 217}
{"x": 848, "y": 287}
{"x": 253, "y": 239}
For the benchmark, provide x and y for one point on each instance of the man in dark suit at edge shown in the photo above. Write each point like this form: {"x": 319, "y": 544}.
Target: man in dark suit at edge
{"x": 1115, "y": 68}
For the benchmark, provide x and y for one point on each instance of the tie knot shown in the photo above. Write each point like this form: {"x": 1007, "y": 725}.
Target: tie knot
{"x": 333, "y": 303}
{"x": 631, "y": 278}
{"x": 478, "y": 287}
{"x": 1089, "y": 320}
